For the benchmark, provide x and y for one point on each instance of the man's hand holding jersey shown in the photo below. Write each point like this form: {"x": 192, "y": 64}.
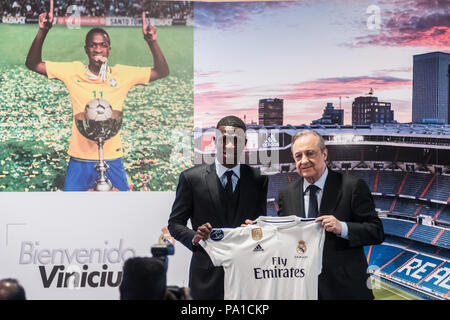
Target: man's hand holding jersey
{"x": 202, "y": 233}
{"x": 330, "y": 224}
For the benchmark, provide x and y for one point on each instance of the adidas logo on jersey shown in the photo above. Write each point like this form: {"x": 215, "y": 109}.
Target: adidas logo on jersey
{"x": 258, "y": 248}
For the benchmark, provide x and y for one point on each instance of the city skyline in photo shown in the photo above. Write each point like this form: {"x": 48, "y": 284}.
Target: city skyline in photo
{"x": 310, "y": 54}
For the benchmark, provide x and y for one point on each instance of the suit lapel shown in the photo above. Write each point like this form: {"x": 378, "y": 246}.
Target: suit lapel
{"x": 246, "y": 187}
{"x": 332, "y": 193}
{"x": 297, "y": 197}
{"x": 213, "y": 188}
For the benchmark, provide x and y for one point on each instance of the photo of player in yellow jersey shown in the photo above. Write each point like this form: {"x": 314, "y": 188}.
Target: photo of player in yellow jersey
{"x": 101, "y": 78}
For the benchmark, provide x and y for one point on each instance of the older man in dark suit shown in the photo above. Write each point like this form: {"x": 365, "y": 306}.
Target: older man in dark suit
{"x": 222, "y": 194}
{"x": 344, "y": 206}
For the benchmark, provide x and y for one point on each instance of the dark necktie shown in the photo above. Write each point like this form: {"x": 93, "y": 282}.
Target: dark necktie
{"x": 229, "y": 185}
{"x": 313, "y": 210}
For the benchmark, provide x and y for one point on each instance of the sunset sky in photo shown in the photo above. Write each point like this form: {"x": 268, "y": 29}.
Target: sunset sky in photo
{"x": 310, "y": 53}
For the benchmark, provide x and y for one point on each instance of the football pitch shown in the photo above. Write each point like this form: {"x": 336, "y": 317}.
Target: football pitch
{"x": 385, "y": 291}
{"x": 36, "y": 113}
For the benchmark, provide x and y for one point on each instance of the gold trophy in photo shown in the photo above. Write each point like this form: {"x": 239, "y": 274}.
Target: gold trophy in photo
{"x": 98, "y": 123}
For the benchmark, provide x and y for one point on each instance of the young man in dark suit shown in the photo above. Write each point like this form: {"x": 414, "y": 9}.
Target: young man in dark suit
{"x": 223, "y": 194}
{"x": 344, "y": 206}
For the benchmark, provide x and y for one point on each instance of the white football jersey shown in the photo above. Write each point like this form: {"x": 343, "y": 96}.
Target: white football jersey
{"x": 274, "y": 258}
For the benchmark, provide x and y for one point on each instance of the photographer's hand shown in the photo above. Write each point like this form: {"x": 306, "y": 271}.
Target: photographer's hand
{"x": 202, "y": 233}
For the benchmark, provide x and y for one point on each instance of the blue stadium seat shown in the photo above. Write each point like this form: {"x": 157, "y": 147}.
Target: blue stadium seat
{"x": 381, "y": 254}
{"x": 396, "y": 227}
{"x": 444, "y": 240}
{"x": 439, "y": 189}
{"x": 383, "y": 203}
{"x": 389, "y": 181}
{"x": 437, "y": 281}
{"x": 398, "y": 262}
{"x": 430, "y": 274}
{"x": 424, "y": 233}
{"x": 444, "y": 217}
{"x": 417, "y": 269}
{"x": 416, "y": 184}
{"x": 367, "y": 175}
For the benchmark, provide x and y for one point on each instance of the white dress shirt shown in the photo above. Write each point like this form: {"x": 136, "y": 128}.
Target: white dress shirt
{"x": 220, "y": 171}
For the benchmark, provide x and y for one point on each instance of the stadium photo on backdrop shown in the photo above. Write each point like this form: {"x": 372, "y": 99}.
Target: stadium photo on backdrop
{"x": 129, "y": 95}
{"x": 372, "y": 80}
{"x": 94, "y": 55}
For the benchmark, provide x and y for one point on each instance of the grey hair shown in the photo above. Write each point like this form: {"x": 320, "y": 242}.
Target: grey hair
{"x": 303, "y": 133}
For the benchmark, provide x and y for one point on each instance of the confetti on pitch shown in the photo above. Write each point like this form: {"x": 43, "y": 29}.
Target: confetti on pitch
{"x": 36, "y": 123}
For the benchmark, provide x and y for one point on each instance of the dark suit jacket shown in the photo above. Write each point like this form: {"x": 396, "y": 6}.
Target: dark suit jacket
{"x": 344, "y": 269}
{"x": 198, "y": 199}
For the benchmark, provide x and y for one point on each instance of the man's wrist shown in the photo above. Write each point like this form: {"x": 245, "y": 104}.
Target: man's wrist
{"x": 44, "y": 31}
{"x": 150, "y": 42}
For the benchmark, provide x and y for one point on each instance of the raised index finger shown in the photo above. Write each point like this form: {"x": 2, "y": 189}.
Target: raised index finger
{"x": 144, "y": 22}
{"x": 51, "y": 9}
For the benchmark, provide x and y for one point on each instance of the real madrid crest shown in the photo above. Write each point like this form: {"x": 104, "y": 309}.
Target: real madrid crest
{"x": 257, "y": 234}
{"x": 301, "y": 247}
{"x": 113, "y": 83}
{"x": 165, "y": 237}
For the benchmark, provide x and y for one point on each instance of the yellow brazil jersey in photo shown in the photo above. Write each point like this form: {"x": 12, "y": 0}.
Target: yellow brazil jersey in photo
{"x": 82, "y": 89}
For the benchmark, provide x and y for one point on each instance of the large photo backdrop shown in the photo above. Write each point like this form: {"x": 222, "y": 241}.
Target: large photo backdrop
{"x": 370, "y": 76}
{"x": 36, "y": 113}
{"x": 73, "y": 245}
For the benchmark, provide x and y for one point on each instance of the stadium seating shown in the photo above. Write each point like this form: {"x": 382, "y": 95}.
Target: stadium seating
{"x": 381, "y": 255}
{"x": 430, "y": 209}
{"x": 389, "y": 181}
{"x": 382, "y": 203}
{"x": 395, "y": 262}
{"x": 396, "y": 227}
{"x": 444, "y": 216}
{"x": 156, "y": 9}
{"x": 414, "y": 255}
{"x": 412, "y": 208}
{"x": 410, "y": 271}
{"x": 439, "y": 189}
{"x": 367, "y": 175}
{"x": 424, "y": 233}
{"x": 444, "y": 240}
{"x": 397, "y": 241}
{"x": 344, "y": 153}
{"x": 416, "y": 184}
{"x": 410, "y": 268}
{"x": 406, "y": 207}
{"x": 432, "y": 281}
{"x": 418, "y": 232}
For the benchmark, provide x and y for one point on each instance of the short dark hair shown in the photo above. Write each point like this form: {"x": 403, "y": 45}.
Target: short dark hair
{"x": 231, "y": 121}
{"x": 143, "y": 279}
{"x": 10, "y": 289}
{"x": 94, "y": 31}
